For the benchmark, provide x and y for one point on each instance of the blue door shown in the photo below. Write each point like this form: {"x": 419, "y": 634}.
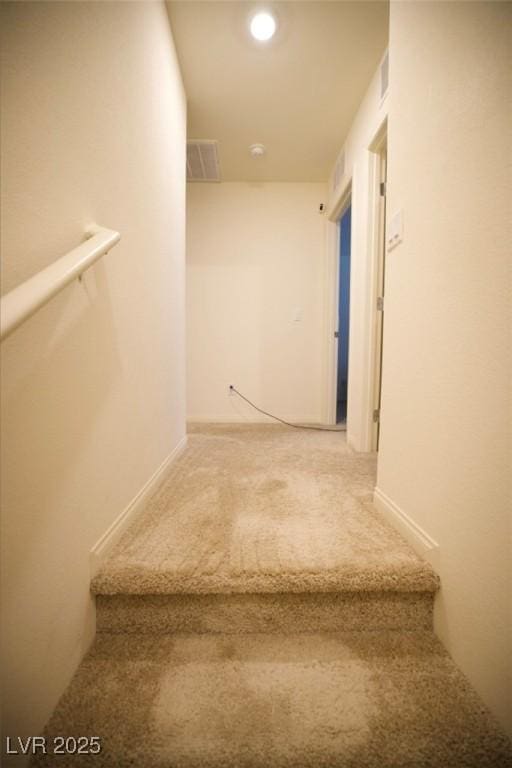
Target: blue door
{"x": 343, "y": 316}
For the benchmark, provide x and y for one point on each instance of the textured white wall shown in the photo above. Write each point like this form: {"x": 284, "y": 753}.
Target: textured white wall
{"x": 93, "y": 129}
{"x": 445, "y": 456}
{"x": 255, "y": 255}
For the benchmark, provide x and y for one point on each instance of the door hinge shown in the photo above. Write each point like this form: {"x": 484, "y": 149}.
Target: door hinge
{"x": 336, "y": 334}
{"x": 376, "y": 415}
{"x": 382, "y": 188}
{"x": 380, "y": 303}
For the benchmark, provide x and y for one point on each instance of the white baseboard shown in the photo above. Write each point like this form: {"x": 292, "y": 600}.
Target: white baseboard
{"x": 419, "y": 539}
{"x": 112, "y": 535}
{"x": 258, "y": 419}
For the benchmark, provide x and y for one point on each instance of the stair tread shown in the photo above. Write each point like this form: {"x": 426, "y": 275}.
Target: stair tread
{"x": 263, "y": 509}
{"x": 139, "y": 579}
{"x": 339, "y": 700}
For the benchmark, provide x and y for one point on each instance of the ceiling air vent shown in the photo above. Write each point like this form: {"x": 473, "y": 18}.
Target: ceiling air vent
{"x": 339, "y": 170}
{"x": 202, "y": 160}
{"x": 384, "y": 75}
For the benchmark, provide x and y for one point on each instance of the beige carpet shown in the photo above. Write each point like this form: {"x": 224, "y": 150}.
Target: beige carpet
{"x": 357, "y": 700}
{"x": 255, "y": 533}
{"x": 275, "y": 612}
{"x": 264, "y": 508}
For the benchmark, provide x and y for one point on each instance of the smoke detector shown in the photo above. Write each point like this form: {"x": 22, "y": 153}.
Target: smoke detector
{"x": 257, "y": 150}
{"x": 203, "y": 160}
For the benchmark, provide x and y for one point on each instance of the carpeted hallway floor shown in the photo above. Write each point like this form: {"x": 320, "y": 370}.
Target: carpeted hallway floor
{"x": 261, "y": 614}
{"x": 263, "y": 508}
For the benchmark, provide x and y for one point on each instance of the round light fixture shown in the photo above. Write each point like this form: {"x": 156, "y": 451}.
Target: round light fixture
{"x": 257, "y": 150}
{"x": 262, "y": 26}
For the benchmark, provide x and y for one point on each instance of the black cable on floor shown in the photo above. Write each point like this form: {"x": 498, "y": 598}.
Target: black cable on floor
{"x": 287, "y": 423}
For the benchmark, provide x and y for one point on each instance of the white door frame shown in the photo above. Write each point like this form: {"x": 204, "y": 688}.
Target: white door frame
{"x": 376, "y": 229}
{"x": 363, "y": 191}
{"x": 378, "y": 148}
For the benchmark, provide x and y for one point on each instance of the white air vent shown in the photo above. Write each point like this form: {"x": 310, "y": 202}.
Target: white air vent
{"x": 202, "y": 161}
{"x": 339, "y": 170}
{"x": 384, "y": 75}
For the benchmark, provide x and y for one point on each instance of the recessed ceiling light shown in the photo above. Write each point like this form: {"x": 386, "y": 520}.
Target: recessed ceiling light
{"x": 262, "y": 26}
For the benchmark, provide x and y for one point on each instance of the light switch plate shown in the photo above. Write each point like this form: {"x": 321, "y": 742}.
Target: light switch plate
{"x": 395, "y": 233}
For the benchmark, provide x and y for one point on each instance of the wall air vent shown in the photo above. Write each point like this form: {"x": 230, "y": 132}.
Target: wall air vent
{"x": 202, "y": 160}
{"x": 384, "y": 75}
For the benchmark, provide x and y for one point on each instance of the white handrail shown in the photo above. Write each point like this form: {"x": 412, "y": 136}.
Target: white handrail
{"x": 27, "y": 298}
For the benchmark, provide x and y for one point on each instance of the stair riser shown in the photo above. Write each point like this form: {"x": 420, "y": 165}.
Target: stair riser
{"x": 269, "y": 613}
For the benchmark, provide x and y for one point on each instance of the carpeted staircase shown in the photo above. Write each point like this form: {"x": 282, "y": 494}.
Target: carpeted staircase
{"x": 260, "y": 613}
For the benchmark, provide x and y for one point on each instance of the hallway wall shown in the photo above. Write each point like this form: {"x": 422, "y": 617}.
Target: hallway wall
{"x": 255, "y": 258}
{"x": 93, "y": 130}
{"x": 445, "y": 452}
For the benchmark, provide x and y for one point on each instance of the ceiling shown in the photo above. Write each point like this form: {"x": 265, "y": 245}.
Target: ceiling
{"x": 296, "y": 94}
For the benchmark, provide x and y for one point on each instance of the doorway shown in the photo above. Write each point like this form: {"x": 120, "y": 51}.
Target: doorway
{"x": 380, "y": 150}
{"x": 343, "y": 331}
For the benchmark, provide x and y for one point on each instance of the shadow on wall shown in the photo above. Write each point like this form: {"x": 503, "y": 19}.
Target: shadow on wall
{"x": 58, "y": 371}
